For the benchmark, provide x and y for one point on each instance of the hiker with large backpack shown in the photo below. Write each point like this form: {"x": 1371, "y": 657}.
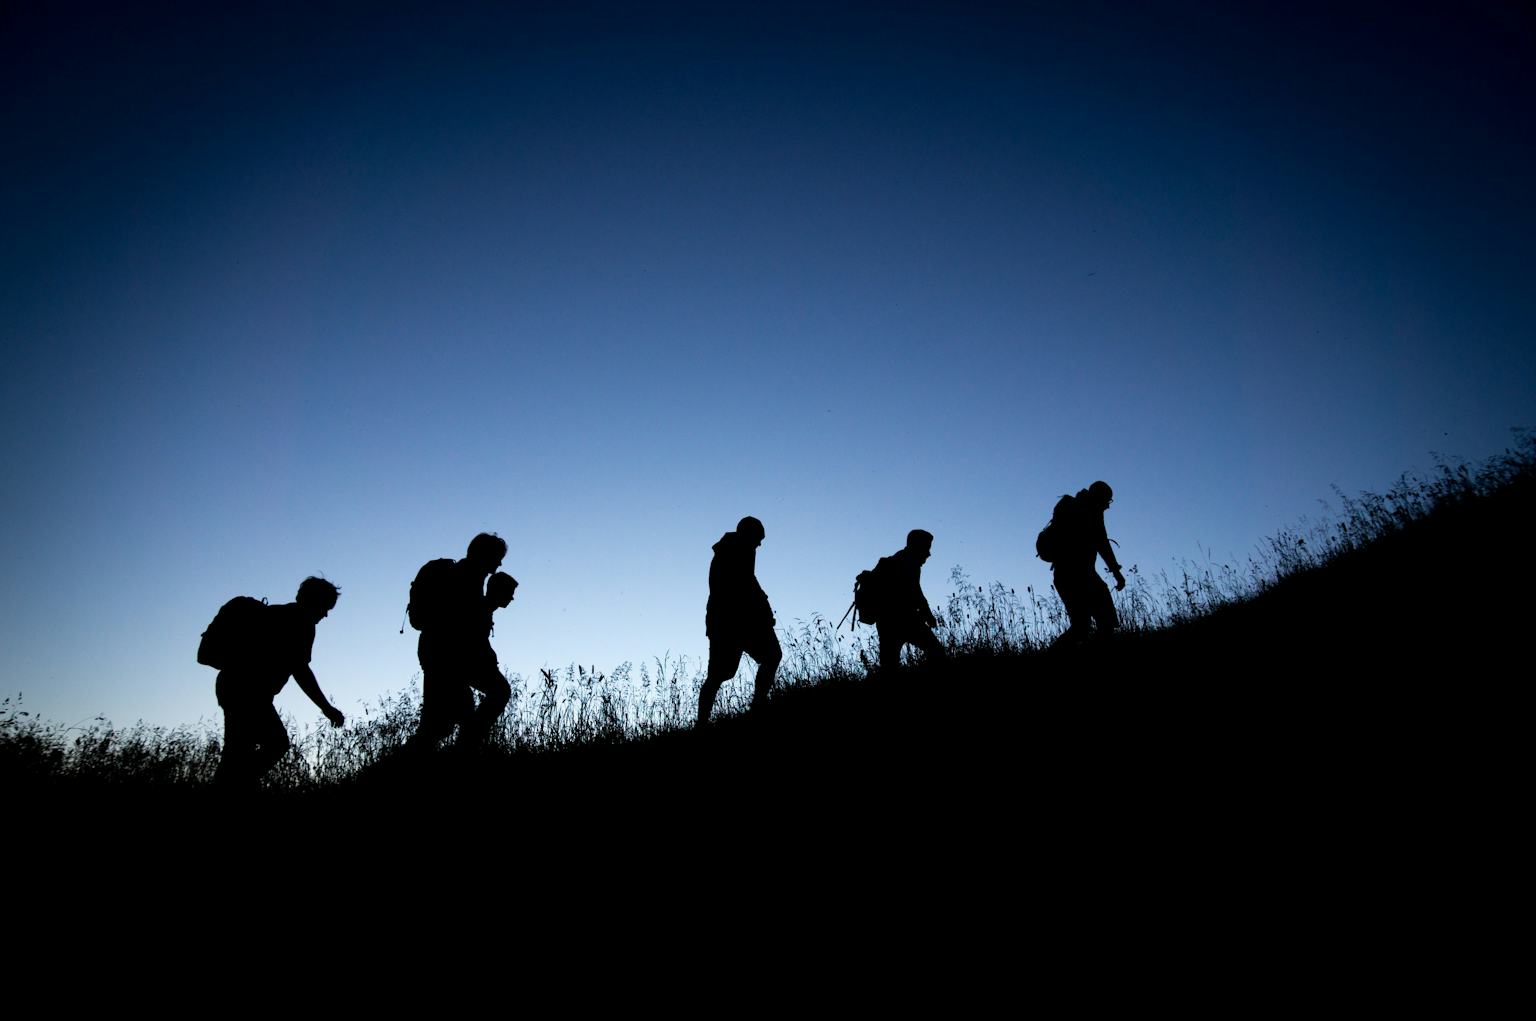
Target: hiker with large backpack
{"x": 738, "y": 618}
{"x": 449, "y": 607}
{"x": 891, "y": 597}
{"x": 256, "y": 648}
{"x": 1070, "y": 543}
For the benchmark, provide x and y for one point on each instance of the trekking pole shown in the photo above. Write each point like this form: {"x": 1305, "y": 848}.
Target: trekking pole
{"x": 845, "y": 617}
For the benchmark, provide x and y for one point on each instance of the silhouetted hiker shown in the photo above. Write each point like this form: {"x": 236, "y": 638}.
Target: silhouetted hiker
{"x": 892, "y": 598}
{"x": 738, "y": 618}
{"x": 499, "y": 592}
{"x": 1071, "y": 542}
{"x": 256, "y": 648}
{"x": 452, "y": 609}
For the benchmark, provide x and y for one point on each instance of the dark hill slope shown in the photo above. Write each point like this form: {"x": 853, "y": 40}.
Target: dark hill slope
{"x": 1347, "y": 717}
{"x": 1354, "y": 727}
{"x": 1375, "y": 694}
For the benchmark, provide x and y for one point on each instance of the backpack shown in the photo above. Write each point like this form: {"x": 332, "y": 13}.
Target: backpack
{"x": 237, "y": 635}
{"x": 869, "y": 594}
{"x": 429, "y": 594}
{"x": 1052, "y": 541}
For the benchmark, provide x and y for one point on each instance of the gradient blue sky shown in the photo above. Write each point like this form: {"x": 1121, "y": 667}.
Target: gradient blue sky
{"x": 291, "y": 291}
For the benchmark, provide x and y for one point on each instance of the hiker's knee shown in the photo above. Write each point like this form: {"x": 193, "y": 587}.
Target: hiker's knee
{"x": 772, "y": 656}
{"x": 493, "y": 685}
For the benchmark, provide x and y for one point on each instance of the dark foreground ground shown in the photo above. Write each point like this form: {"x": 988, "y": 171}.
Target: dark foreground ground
{"x": 1334, "y": 771}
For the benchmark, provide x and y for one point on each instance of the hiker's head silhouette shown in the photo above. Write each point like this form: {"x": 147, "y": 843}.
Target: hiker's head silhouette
{"x": 1102, "y": 495}
{"x": 920, "y": 542}
{"x": 486, "y": 551}
{"x": 751, "y": 529}
{"x": 318, "y": 597}
{"x": 500, "y": 589}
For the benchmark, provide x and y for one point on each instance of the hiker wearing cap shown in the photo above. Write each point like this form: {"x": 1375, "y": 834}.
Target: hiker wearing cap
{"x": 738, "y": 618}
{"x": 905, "y": 618}
{"x": 1081, "y": 539}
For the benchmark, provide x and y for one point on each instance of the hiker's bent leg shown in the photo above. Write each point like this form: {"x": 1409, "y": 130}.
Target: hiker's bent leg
{"x": 254, "y": 738}
{"x": 923, "y": 637}
{"x": 1104, "y": 614}
{"x": 434, "y": 724}
{"x": 272, "y": 740}
{"x": 724, "y": 658}
{"x": 768, "y": 654}
{"x": 238, "y": 752}
{"x": 445, "y": 702}
{"x": 707, "y": 697}
{"x": 234, "y": 738}
{"x": 1079, "y": 618}
{"x": 443, "y": 691}
{"x": 892, "y": 638}
{"x": 495, "y": 693}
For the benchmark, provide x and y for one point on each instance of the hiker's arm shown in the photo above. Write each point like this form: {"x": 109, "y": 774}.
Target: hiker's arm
{"x": 1114, "y": 567}
{"x": 766, "y": 608}
{"x": 1107, "y": 551}
{"x": 913, "y": 597}
{"x": 305, "y": 678}
{"x": 919, "y": 602}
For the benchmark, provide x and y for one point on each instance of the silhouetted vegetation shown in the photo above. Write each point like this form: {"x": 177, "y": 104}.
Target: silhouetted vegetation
{"x": 1333, "y": 639}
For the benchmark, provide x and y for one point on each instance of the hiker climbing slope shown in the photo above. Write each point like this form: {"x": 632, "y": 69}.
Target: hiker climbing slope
{"x": 449, "y": 607}
{"x": 738, "y": 618}
{"x": 903, "y": 616}
{"x": 1073, "y": 540}
{"x": 256, "y": 648}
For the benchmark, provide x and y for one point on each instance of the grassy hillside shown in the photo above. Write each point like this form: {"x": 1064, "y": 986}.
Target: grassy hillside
{"x": 1293, "y": 782}
{"x": 1375, "y": 651}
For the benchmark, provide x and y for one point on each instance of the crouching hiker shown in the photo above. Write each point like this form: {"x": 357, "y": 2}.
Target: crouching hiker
{"x": 256, "y": 648}
{"x": 738, "y": 618}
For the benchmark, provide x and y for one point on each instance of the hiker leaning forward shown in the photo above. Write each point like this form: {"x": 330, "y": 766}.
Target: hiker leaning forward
{"x": 454, "y": 649}
{"x": 1090, "y": 608}
{"x": 905, "y": 616}
{"x": 738, "y": 618}
{"x": 254, "y": 735}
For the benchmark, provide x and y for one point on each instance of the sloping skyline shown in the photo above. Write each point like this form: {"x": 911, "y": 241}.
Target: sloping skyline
{"x": 291, "y": 292}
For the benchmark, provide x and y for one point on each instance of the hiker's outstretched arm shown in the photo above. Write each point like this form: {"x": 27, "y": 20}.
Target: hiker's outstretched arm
{"x": 305, "y": 678}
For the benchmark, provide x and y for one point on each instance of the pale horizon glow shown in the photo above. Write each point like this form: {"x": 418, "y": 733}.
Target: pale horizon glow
{"x": 291, "y": 293}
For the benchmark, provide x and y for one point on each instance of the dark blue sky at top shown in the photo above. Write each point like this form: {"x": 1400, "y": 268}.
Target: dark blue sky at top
{"x": 288, "y": 291}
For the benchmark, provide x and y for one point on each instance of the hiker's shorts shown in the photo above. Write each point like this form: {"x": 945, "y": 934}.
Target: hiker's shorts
{"x": 892, "y": 636}
{"x": 725, "y": 652}
{"x": 1088, "y": 602}
{"x": 254, "y": 735}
